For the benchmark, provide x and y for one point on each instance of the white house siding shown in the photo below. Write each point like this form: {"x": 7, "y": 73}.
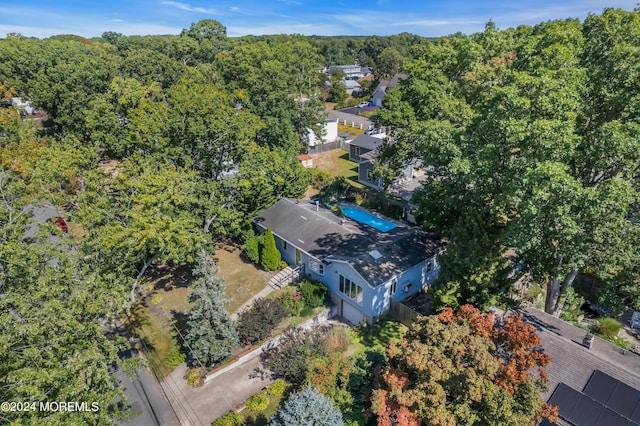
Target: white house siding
{"x": 330, "y": 133}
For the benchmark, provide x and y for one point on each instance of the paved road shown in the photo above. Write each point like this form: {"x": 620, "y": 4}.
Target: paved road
{"x": 366, "y": 123}
{"x": 356, "y": 110}
{"x": 145, "y": 398}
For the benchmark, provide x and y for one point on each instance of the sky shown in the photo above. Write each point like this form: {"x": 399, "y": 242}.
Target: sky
{"x": 429, "y": 18}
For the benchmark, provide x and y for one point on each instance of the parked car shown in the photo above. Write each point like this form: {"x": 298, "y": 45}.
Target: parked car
{"x": 362, "y": 105}
{"x": 62, "y": 224}
{"x": 373, "y": 131}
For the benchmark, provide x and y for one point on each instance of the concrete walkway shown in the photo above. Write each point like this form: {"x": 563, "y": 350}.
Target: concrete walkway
{"x": 201, "y": 406}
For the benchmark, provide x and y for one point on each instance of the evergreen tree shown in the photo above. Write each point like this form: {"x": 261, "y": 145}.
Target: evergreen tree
{"x": 270, "y": 255}
{"x": 308, "y": 407}
{"x": 212, "y": 334}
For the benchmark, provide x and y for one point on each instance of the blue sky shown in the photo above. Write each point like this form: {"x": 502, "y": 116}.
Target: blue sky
{"x": 90, "y": 18}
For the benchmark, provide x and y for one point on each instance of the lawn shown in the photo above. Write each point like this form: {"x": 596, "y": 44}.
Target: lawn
{"x": 243, "y": 278}
{"x": 336, "y": 163}
{"x": 348, "y": 130}
{"x": 156, "y": 341}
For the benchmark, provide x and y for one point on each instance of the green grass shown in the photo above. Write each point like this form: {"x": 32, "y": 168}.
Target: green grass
{"x": 243, "y": 278}
{"x": 342, "y": 129}
{"x": 337, "y": 164}
{"x": 156, "y": 339}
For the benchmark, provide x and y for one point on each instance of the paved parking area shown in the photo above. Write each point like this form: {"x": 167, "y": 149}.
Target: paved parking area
{"x": 201, "y": 406}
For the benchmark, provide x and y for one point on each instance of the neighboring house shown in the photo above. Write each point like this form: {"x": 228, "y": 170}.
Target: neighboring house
{"x": 22, "y": 105}
{"x": 364, "y": 144}
{"x": 353, "y": 87}
{"x": 364, "y": 150}
{"x": 330, "y": 131}
{"x": 597, "y": 386}
{"x": 306, "y": 160}
{"x": 363, "y": 268}
{"x": 351, "y": 72}
{"x": 384, "y": 86}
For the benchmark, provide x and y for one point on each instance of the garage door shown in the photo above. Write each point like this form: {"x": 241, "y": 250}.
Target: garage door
{"x": 351, "y": 314}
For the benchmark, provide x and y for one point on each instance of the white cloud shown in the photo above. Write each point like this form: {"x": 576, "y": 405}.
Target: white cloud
{"x": 189, "y": 8}
{"x": 117, "y": 20}
{"x": 283, "y": 28}
{"x": 291, "y": 2}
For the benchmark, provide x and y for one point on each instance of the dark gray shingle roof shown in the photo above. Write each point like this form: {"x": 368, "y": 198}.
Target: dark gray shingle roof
{"x": 368, "y": 142}
{"x": 573, "y": 363}
{"x": 326, "y": 235}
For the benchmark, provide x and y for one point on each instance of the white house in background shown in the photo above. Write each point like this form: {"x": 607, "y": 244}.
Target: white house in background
{"x": 330, "y": 131}
{"x": 22, "y": 105}
{"x": 363, "y": 267}
{"x": 351, "y": 72}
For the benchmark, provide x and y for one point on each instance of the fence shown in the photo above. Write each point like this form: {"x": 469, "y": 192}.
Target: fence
{"x": 402, "y": 313}
{"x": 329, "y": 146}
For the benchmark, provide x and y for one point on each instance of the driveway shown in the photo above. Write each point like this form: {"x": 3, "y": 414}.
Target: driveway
{"x": 201, "y": 406}
{"x": 340, "y": 115}
{"x": 356, "y": 110}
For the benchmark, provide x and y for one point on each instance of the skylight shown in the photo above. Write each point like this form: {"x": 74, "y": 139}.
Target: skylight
{"x": 375, "y": 254}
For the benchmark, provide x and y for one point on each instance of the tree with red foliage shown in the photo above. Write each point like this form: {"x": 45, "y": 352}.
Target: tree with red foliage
{"x": 463, "y": 367}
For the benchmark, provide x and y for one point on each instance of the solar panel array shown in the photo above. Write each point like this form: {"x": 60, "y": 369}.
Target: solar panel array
{"x": 604, "y": 401}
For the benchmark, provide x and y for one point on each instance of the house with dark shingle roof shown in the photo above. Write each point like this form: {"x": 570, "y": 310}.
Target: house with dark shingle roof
{"x": 597, "y": 385}
{"x": 363, "y": 267}
{"x": 364, "y": 150}
{"x": 384, "y": 86}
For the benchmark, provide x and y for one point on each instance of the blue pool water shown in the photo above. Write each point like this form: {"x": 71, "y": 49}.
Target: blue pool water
{"x": 368, "y": 219}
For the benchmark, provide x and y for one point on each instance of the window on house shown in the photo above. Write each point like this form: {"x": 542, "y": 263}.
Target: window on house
{"x": 429, "y": 267}
{"x": 317, "y": 267}
{"x": 284, "y": 245}
{"x": 352, "y": 290}
{"x": 394, "y": 287}
{"x": 369, "y": 177}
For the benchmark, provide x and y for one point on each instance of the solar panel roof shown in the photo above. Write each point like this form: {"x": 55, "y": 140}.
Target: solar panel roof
{"x": 604, "y": 401}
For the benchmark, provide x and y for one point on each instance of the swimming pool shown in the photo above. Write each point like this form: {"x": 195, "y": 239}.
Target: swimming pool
{"x": 368, "y": 219}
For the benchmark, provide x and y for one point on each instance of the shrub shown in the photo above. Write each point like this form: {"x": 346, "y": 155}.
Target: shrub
{"x": 290, "y": 358}
{"x": 253, "y": 247}
{"x": 231, "y": 419}
{"x": 571, "y": 310}
{"x": 270, "y": 256}
{"x": 195, "y": 377}
{"x": 258, "y": 402}
{"x": 291, "y": 299}
{"x": 313, "y": 293}
{"x": 608, "y": 327}
{"x": 277, "y": 388}
{"x": 257, "y": 322}
{"x": 308, "y": 407}
{"x": 156, "y": 299}
{"x": 175, "y": 358}
{"x": 337, "y": 339}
